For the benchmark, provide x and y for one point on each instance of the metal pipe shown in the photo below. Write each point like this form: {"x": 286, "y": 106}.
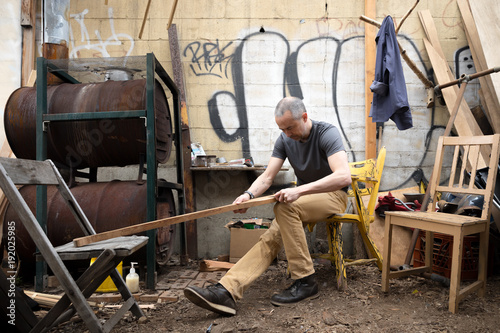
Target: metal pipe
{"x": 56, "y": 22}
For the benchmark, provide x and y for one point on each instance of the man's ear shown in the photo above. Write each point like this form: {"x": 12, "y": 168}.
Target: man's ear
{"x": 304, "y": 116}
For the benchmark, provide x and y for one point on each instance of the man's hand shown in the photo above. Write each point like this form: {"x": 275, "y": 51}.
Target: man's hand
{"x": 287, "y": 195}
{"x": 242, "y": 198}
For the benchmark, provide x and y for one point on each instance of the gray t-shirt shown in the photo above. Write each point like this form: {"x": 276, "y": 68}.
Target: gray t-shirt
{"x": 309, "y": 159}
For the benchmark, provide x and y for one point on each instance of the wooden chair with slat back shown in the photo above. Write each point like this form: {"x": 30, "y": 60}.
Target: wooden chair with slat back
{"x": 109, "y": 253}
{"x": 467, "y": 157}
{"x": 366, "y": 176}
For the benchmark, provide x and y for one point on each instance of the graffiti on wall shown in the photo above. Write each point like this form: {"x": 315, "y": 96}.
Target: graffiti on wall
{"x": 208, "y": 58}
{"x": 326, "y": 72}
{"x": 116, "y": 45}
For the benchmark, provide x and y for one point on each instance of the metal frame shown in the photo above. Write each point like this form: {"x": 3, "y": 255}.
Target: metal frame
{"x": 42, "y": 118}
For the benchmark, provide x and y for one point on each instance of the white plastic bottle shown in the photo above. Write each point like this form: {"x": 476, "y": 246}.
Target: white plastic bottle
{"x": 132, "y": 279}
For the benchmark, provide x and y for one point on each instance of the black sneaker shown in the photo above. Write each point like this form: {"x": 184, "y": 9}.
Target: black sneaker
{"x": 215, "y": 298}
{"x": 302, "y": 289}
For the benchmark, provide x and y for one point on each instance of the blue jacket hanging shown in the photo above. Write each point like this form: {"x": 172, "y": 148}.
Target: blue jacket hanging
{"x": 390, "y": 100}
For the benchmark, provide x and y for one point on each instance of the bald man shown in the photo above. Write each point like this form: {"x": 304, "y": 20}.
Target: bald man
{"x": 316, "y": 153}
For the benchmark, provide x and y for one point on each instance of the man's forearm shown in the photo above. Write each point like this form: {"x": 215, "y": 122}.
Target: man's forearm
{"x": 329, "y": 183}
{"x": 260, "y": 185}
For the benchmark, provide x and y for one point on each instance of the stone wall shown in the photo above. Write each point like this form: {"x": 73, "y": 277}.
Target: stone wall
{"x": 240, "y": 58}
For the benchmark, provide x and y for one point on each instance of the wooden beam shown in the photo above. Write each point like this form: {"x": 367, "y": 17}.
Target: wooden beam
{"x": 465, "y": 123}
{"x": 27, "y": 13}
{"x": 480, "y": 52}
{"x": 189, "y": 197}
{"x": 28, "y": 23}
{"x": 430, "y": 31}
{"x": 370, "y": 56}
{"x": 78, "y": 242}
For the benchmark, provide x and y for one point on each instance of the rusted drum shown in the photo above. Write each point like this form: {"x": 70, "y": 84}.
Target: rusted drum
{"x": 94, "y": 143}
{"x": 108, "y": 206}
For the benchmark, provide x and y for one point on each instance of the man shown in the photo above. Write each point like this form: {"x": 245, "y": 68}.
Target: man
{"x": 317, "y": 155}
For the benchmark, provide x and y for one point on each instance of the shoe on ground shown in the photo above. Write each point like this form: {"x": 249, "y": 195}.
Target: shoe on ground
{"x": 215, "y": 298}
{"x": 300, "y": 290}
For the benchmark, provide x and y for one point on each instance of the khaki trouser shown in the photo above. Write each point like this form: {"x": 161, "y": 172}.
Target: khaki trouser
{"x": 288, "y": 229}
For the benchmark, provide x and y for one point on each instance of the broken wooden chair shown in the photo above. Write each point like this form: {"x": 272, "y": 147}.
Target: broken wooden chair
{"x": 366, "y": 177}
{"x": 445, "y": 180}
{"x": 109, "y": 253}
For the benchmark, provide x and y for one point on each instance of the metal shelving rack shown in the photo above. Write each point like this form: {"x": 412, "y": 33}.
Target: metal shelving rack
{"x": 61, "y": 69}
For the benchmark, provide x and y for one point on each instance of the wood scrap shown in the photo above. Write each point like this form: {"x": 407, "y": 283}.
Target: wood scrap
{"x": 78, "y": 242}
{"x": 31, "y": 79}
{"x": 213, "y": 265}
{"x": 48, "y": 300}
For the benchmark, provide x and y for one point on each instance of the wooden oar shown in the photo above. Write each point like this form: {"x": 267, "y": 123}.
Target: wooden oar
{"x": 134, "y": 229}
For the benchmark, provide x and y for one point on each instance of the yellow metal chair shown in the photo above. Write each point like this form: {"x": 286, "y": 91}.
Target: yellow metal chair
{"x": 366, "y": 177}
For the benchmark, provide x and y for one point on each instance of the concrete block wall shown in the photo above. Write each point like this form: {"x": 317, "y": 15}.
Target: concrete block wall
{"x": 240, "y": 58}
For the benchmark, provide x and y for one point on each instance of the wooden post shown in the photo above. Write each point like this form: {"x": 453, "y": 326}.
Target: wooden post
{"x": 370, "y": 55}
{"x": 189, "y": 197}
{"x": 28, "y": 23}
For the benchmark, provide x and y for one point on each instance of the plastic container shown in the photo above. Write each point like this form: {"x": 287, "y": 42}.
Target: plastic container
{"x": 442, "y": 255}
{"x": 108, "y": 286}
{"x": 132, "y": 279}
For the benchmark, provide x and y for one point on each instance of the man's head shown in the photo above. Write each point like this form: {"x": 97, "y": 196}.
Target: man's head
{"x": 291, "y": 117}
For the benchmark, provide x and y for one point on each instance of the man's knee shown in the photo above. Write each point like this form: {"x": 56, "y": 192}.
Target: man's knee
{"x": 283, "y": 208}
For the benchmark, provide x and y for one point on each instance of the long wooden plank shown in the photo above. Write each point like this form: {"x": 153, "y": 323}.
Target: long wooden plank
{"x": 481, "y": 26}
{"x": 170, "y": 220}
{"x": 465, "y": 124}
{"x": 431, "y": 31}
{"x": 472, "y": 36}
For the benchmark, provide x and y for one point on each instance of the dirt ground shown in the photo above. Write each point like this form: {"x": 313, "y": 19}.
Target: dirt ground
{"x": 413, "y": 305}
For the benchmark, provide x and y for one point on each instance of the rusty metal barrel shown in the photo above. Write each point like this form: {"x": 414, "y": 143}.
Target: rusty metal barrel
{"x": 108, "y": 206}
{"x": 89, "y": 143}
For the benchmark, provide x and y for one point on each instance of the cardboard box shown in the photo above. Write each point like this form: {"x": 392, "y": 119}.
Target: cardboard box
{"x": 242, "y": 238}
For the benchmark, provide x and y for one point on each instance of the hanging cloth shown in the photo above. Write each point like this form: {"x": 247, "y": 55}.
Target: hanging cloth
{"x": 390, "y": 100}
